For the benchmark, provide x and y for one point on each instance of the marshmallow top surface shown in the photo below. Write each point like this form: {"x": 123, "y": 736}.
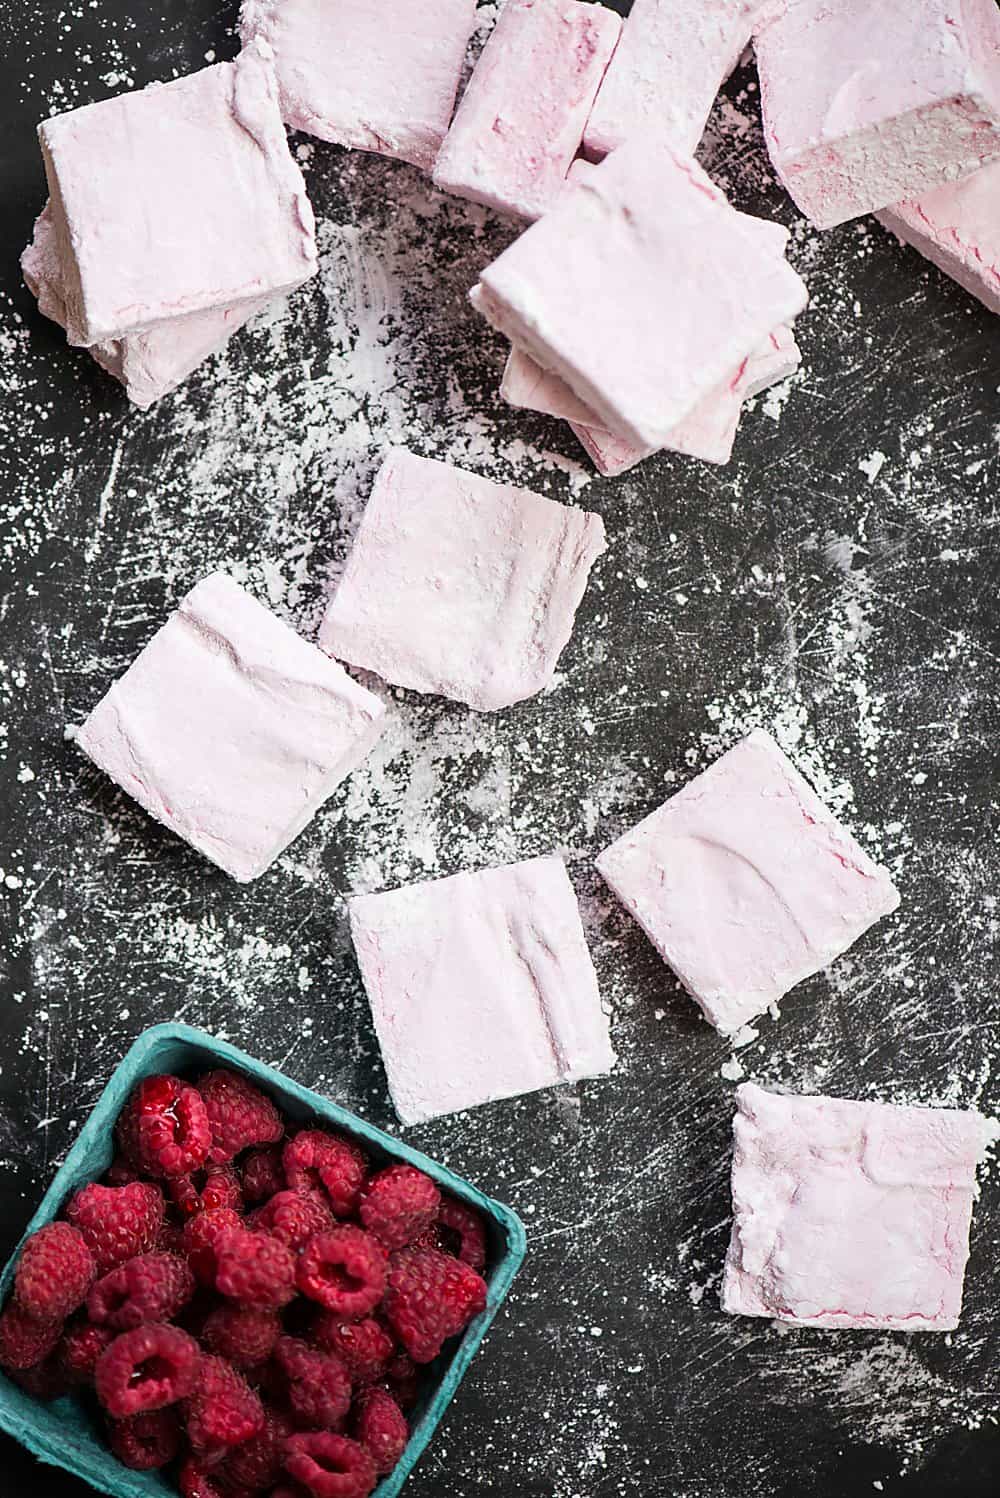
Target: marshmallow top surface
{"x": 481, "y": 987}
{"x": 746, "y": 883}
{"x": 231, "y": 729}
{"x": 521, "y": 119}
{"x": 850, "y": 1214}
{"x": 958, "y": 228}
{"x": 378, "y": 77}
{"x": 177, "y": 199}
{"x": 460, "y": 586}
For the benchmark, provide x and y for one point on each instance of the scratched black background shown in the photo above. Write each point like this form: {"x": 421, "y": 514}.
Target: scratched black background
{"x": 795, "y": 588}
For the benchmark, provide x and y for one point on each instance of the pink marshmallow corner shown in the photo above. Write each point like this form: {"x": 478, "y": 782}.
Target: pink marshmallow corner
{"x": 230, "y": 729}
{"x": 481, "y": 987}
{"x": 866, "y": 105}
{"x": 957, "y": 228}
{"x": 850, "y": 1214}
{"x": 175, "y": 200}
{"x": 521, "y": 119}
{"x": 746, "y": 883}
{"x": 461, "y": 587}
{"x": 376, "y": 77}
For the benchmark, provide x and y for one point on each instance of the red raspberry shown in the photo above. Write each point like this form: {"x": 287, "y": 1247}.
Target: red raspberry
{"x": 151, "y": 1287}
{"x": 194, "y": 1482}
{"x": 465, "y": 1232}
{"x": 45, "y": 1382}
{"x": 399, "y": 1204}
{"x": 344, "y": 1270}
{"x": 25, "y": 1342}
{"x": 146, "y": 1369}
{"x": 318, "y": 1385}
{"x": 118, "y": 1222}
{"x": 164, "y": 1128}
{"x": 380, "y": 1426}
{"x": 254, "y": 1269}
{"x": 294, "y": 1217}
{"x": 431, "y": 1297}
{"x": 219, "y": 1187}
{"x": 263, "y": 1175}
{"x": 146, "y": 1442}
{"x": 240, "y": 1115}
{"x": 403, "y": 1380}
{"x": 80, "y": 1349}
{"x": 171, "y": 1240}
{"x": 120, "y": 1172}
{"x": 258, "y": 1463}
{"x": 330, "y": 1466}
{"x": 364, "y": 1347}
{"x": 54, "y": 1272}
{"x": 318, "y": 1161}
{"x": 223, "y": 1411}
{"x": 201, "y": 1238}
{"x": 243, "y": 1335}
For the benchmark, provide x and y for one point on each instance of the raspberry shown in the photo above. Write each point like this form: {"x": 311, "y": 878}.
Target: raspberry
{"x": 223, "y": 1411}
{"x": 431, "y": 1297}
{"x": 364, "y": 1347}
{"x": 201, "y": 1238}
{"x": 145, "y": 1442}
{"x": 171, "y": 1239}
{"x": 54, "y": 1272}
{"x": 120, "y": 1172}
{"x": 151, "y": 1287}
{"x": 240, "y": 1115}
{"x": 25, "y": 1342}
{"x": 327, "y": 1163}
{"x": 263, "y": 1176}
{"x": 45, "y": 1382}
{"x": 254, "y": 1269}
{"x": 345, "y": 1270}
{"x": 146, "y": 1369}
{"x": 399, "y": 1204}
{"x": 80, "y": 1348}
{"x": 219, "y": 1187}
{"x": 243, "y": 1335}
{"x": 118, "y": 1222}
{"x": 164, "y": 1129}
{"x": 318, "y": 1385}
{"x": 380, "y": 1426}
{"x": 465, "y": 1232}
{"x": 403, "y": 1380}
{"x": 194, "y": 1482}
{"x": 330, "y": 1466}
{"x": 294, "y": 1217}
{"x": 258, "y": 1463}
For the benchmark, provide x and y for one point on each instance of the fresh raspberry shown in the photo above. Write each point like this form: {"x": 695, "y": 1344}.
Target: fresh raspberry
{"x": 171, "y": 1239}
{"x": 380, "y": 1426}
{"x": 326, "y": 1162}
{"x": 288, "y": 1490}
{"x": 218, "y": 1187}
{"x": 295, "y": 1217}
{"x": 244, "y": 1336}
{"x": 25, "y": 1342}
{"x": 465, "y": 1232}
{"x": 330, "y": 1466}
{"x": 240, "y": 1115}
{"x": 146, "y": 1369}
{"x": 121, "y": 1172}
{"x": 254, "y": 1269}
{"x": 118, "y": 1222}
{"x": 194, "y": 1482}
{"x": 258, "y": 1463}
{"x": 223, "y": 1411}
{"x": 201, "y": 1238}
{"x": 80, "y": 1349}
{"x": 46, "y": 1381}
{"x": 263, "y": 1175}
{"x": 151, "y": 1287}
{"x": 54, "y": 1272}
{"x": 364, "y": 1347}
{"x": 164, "y": 1128}
{"x": 431, "y": 1297}
{"x": 398, "y": 1204}
{"x": 318, "y": 1385}
{"x": 403, "y": 1380}
{"x": 432, "y": 1237}
{"x": 344, "y": 1270}
{"x": 145, "y": 1442}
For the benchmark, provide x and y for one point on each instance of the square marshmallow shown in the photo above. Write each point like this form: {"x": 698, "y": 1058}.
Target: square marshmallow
{"x": 379, "y": 77}
{"x": 869, "y": 102}
{"x": 746, "y": 884}
{"x": 177, "y": 199}
{"x": 850, "y": 1214}
{"x": 231, "y": 729}
{"x": 521, "y": 119}
{"x": 459, "y": 586}
{"x": 957, "y": 228}
{"x": 643, "y": 289}
{"x": 149, "y": 365}
{"x": 481, "y": 987}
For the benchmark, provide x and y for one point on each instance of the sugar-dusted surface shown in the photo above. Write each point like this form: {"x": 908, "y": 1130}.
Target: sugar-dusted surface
{"x": 838, "y": 583}
{"x": 957, "y": 227}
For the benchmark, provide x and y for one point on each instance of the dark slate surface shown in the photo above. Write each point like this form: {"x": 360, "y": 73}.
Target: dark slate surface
{"x": 838, "y": 583}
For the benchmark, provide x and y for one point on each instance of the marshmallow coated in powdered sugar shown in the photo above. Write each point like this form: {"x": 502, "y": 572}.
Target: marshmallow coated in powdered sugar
{"x": 957, "y": 227}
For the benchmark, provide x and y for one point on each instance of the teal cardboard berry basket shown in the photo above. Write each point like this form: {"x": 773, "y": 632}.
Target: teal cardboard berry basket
{"x": 63, "y": 1433}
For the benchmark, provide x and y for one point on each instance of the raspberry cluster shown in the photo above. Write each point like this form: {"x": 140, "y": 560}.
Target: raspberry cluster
{"x": 249, "y": 1304}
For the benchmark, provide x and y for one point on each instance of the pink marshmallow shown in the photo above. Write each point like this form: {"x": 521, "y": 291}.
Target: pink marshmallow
{"x": 520, "y": 122}
{"x": 746, "y": 884}
{"x": 230, "y": 729}
{"x": 481, "y": 987}
{"x": 850, "y": 1214}
{"x": 460, "y": 586}
{"x": 379, "y": 77}
{"x": 957, "y": 227}
{"x": 870, "y": 102}
{"x": 642, "y": 289}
